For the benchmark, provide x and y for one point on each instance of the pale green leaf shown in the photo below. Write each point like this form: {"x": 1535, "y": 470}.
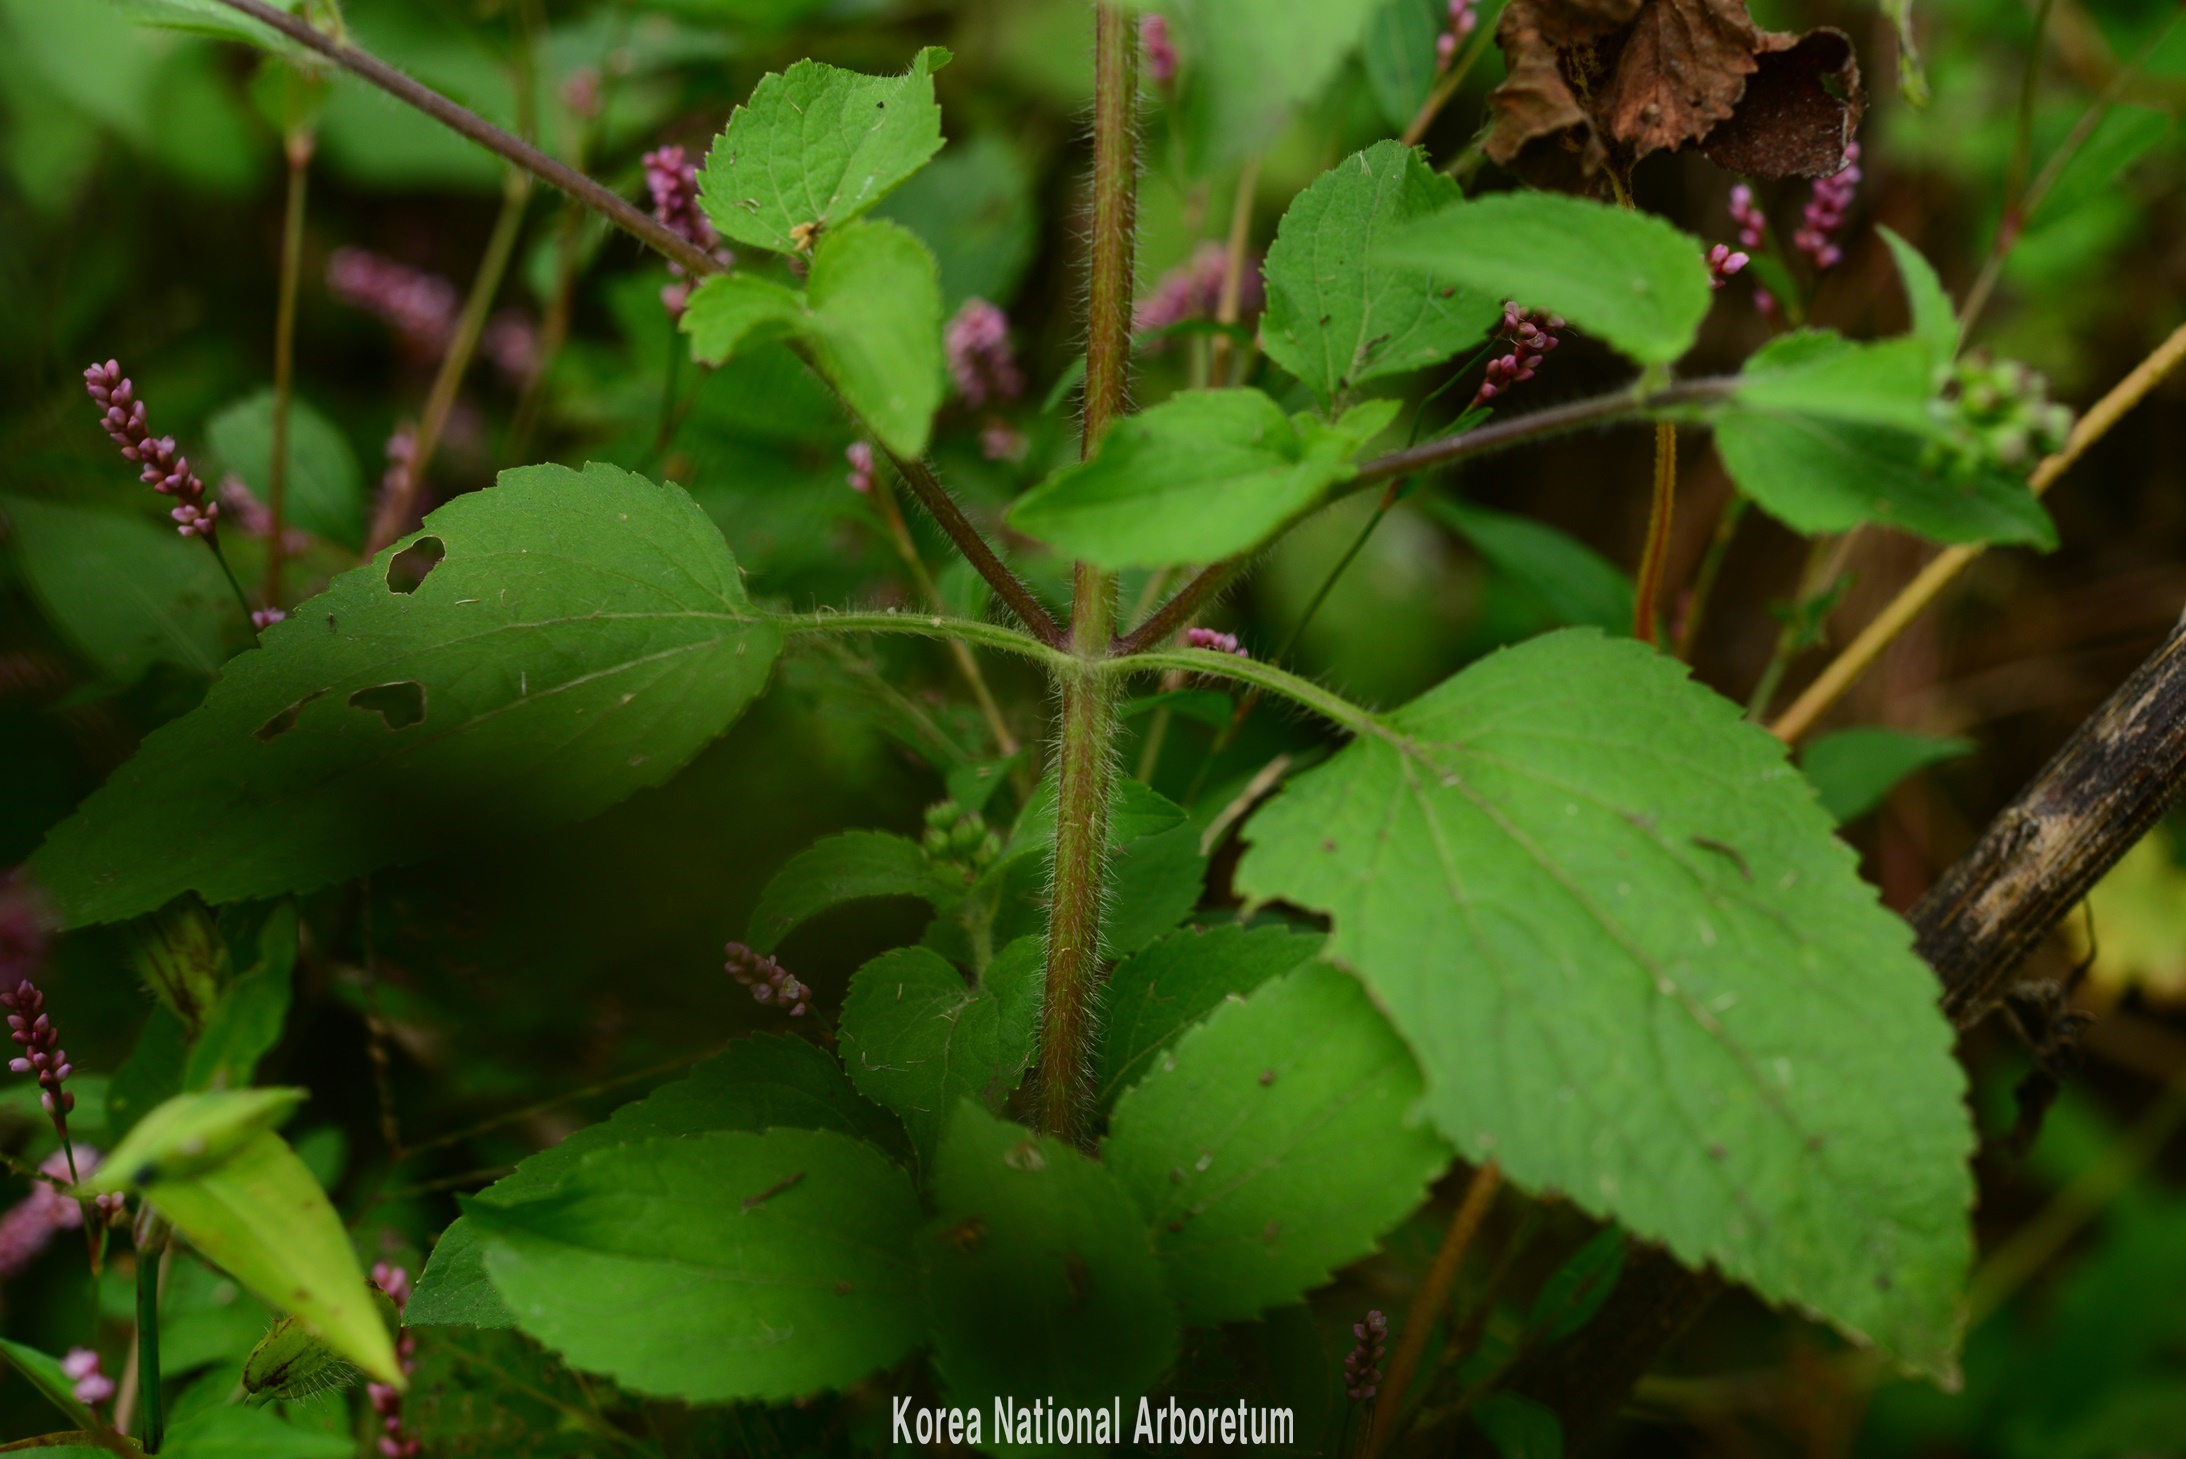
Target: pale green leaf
{"x": 918, "y": 1038}
{"x": 1570, "y": 583}
{"x": 1337, "y": 315}
{"x": 845, "y": 868}
{"x": 1935, "y": 317}
{"x": 1638, "y": 968}
{"x": 1251, "y": 63}
{"x": 816, "y": 146}
{"x": 974, "y": 207}
{"x": 247, "y": 1021}
{"x": 1827, "y": 435}
{"x": 729, "y": 313}
{"x": 1041, "y": 1276}
{"x": 1853, "y": 769}
{"x": 191, "y": 1134}
{"x": 1399, "y": 51}
{"x": 1272, "y": 1144}
{"x": 454, "y": 1290}
{"x": 42, "y": 1371}
{"x": 324, "y": 493}
{"x": 1627, "y": 277}
{"x": 259, "y": 1215}
{"x": 586, "y": 635}
{"x": 717, "y": 1267}
{"x": 1204, "y": 475}
{"x": 124, "y": 591}
{"x": 1154, "y": 996}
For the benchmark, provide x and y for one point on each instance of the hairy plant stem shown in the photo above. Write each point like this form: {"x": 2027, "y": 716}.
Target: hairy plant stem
{"x": 298, "y": 147}
{"x": 1086, "y": 734}
{"x": 394, "y": 513}
{"x": 1860, "y": 654}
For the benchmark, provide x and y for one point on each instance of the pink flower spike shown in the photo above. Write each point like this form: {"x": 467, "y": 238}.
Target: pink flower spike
{"x": 1208, "y": 638}
{"x": 166, "y": 470}
{"x": 770, "y": 983}
{"x": 860, "y": 456}
{"x": 981, "y": 362}
{"x": 1158, "y": 50}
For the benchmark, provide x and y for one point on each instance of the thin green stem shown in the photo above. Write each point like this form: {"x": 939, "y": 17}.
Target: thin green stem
{"x": 235, "y": 584}
{"x": 153, "y": 1427}
{"x": 1266, "y": 677}
{"x": 933, "y": 625}
{"x": 1711, "y": 567}
{"x": 298, "y": 148}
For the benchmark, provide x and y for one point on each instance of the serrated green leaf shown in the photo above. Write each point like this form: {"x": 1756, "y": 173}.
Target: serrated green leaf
{"x": 918, "y": 1039}
{"x": 717, "y": 1267}
{"x": 1638, "y": 967}
{"x": 585, "y": 635}
{"x": 846, "y": 868}
{"x": 1626, "y": 277}
{"x": 1935, "y": 317}
{"x": 1271, "y": 1144}
{"x": 1826, "y": 435}
{"x": 1154, "y": 996}
{"x": 1204, "y": 475}
{"x": 454, "y": 1290}
{"x": 1573, "y": 585}
{"x": 1853, "y": 769}
{"x": 1336, "y": 315}
{"x": 123, "y": 591}
{"x": 1040, "y": 1275}
{"x": 254, "y": 1210}
{"x": 42, "y": 1371}
{"x": 324, "y": 493}
{"x": 816, "y": 146}
{"x": 871, "y": 316}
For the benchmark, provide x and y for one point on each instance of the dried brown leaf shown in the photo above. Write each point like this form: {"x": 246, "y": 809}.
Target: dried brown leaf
{"x": 1800, "y": 109}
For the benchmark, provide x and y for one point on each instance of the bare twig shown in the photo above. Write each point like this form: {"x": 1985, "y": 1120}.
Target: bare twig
{"x": 1428, "y": 1301}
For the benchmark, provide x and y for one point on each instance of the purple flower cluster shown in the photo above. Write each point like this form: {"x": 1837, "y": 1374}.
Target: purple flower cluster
{"x": 31, "y": 1222}
{"x": 166, "y": 470}
{"x": 981, "y": 362}
{"x": 42, "y": 1052}
{"x": 420, "y": 307}
{"x": 1362, "y": 1369}
{"x": 1825, "y": 212}
{"x": 1464, "y": 20}
{"x": 1208, "y": 638}
{"x": 1723, "y": 262}
{"x": 81, "y": 1368}
{"x": 860, "y": 456}
{"x": 1193, "y": 290}
{"x": 672, "y": 179}
{"x": 1753, "y": 224}
{"x": 1158, "y": 50}
{"x": 1531, "y": 337}
{"x": 769, "y": 981}
{"x": 386, "y": 1400}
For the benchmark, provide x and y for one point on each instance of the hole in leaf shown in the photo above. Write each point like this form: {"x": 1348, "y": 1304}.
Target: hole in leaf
{"x": 401, "y": 704}
{"x": 407, "y": 568}
{"x": 285, "y": 721}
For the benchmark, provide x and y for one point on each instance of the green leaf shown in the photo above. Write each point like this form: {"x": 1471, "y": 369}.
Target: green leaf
{"x": 717, "y": 1267}
{"x": 1570, "y": 583}
{"x": 247, "y": 1021}
{"x": 974, "y": 207}
{"x": 1575, "y": 1291}
{"x": 1154, "y": 996}
{"x": 325, "y": 489}
{"x": 252, "y": 1209}
{"x": 125, "y": 592}
{"x": 151, "y": 1075}
{"x": 1853, "y": 769}
{"x": 1040, "y": 1275}
{"x": 1336, "y": 314}
{"x": 816, "y": 146}
{"x": 251, "y": 1433}
{"x": 1251, "y": 63}
{"x": 1204, "y": 475}
{"x": 454, "y": 1290}
{"x": 1637, "y": 968}
{"x": 191, "y": 1134}
{"x": 584, "y": 636}
{"x": 1935, "y": 317}
{"x": 1519, "y": 1428}
{"x": 847, "y": 868}
{"x": 1828, "y": 435}
{"x": 918, "y": 1039}
{"x": 1626, "y": 277}
{"x": 1271, "y": 1145}
{"x": 1399, "y": 52}
{"x": 872, "y": 316}
{"x": 43, "y": 1372}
